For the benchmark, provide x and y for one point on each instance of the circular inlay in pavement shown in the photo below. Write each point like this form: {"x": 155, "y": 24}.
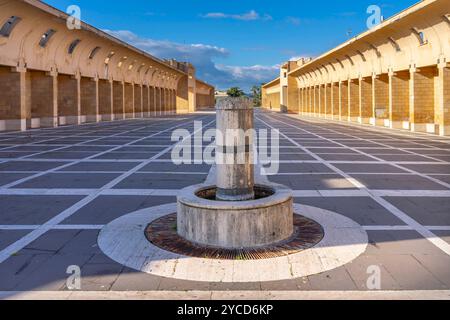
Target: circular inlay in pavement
{"x": 124, "y": 241}
{"x": 162, "y": 233}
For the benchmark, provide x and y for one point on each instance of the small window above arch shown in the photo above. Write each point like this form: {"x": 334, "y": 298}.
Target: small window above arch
{"x": 45, "y": 38}
{"x": 108, "y": 58}
{"x": 9, "y": 25}
{"x": 93, "y": 53}
{"x": 73, "y": 45}
{"x": 420, "y": 36}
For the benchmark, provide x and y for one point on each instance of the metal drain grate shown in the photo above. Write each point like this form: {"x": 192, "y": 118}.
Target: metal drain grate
{"x": 163, "y": 234}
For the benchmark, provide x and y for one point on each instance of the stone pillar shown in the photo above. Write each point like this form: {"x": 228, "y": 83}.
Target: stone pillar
{"x": 78, "y": 117}
{"x": 52, "y": 119}
{"x": 152, "y": 101}
{"x": 89, "y": 99}
{"x": 443, "y": 97}
{"x": 235, "y": 168}
{"x": 328, "y": 100}
{"x": 14, "y": 101}
{"x": 353, "y": 104}
{"x": 343, "y": 114}
{"x": 399, "y": 100}
{"x": 366, "y": 101}
{"x": 292, "y": 97}
{"x": 98, "y": 116}
{"x": 381, "y": 100}
{"x": 67, "y": 99}
{"x": 129, "y": 101}
{"x": 109, "y": 112}
{"x": 422, "y": 99}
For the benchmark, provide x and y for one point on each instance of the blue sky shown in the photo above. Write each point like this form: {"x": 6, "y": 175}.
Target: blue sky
{"x": 232, "y": 42}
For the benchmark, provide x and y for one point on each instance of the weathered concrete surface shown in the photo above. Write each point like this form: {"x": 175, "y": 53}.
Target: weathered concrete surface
{"x": 235, "y": 178}
{"x": 237, "y": 224}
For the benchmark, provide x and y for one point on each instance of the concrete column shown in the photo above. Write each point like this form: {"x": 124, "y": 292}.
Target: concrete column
{"x": 235, "y": 169}
{"x": 353, "y": 100}
{"x": 98, "y": 117}
{"x": 422, "y": 99}
{"x": 332, "y": 88}
{"x": 89, "y": 99}
{"x": 319, "y": 100}
{"x": 336, "y": 100}
{"x": 381, "y": 100}
{"x": 365, "y": 101}
{"x": 68, "y": 105}
{"x": 443, "y": 97}
{"x": 166, "y": 102}
{"x": 51, "y": 119}
{"x": 303, "y": 101}
{"x": 118, "y": 102}
{"x": 104, "y": 102}
{"x": 79, "y": 117}
{"x": 25, "y": 100}
{"x": 399, "y": 100}
{"x": 344, "y": 92}
{"x": 129, "y": 100}
{"x": 152, "y": 101}
{"x": 14, "y": 101}
{"x": 158, "y": 100}
{"x": 145, "y": 101}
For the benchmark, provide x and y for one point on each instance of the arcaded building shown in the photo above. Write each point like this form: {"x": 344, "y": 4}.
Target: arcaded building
{"x": 395, "y": 75}
{"x": 52, "y": 75}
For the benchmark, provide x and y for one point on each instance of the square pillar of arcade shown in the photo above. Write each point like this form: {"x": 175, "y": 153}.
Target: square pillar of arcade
{"x": 343, "y": 114}
{"x": 381, "y": 100}
{"x": 68, "y": 111}
{"x": 399, "y": 100}
{"x": 422, "y": 99}
{"x": 129, "y": 100}
{"x": 158, "y": 101}
{"x": 443, "y": 96}
{"x": 315, "y": 101}
{"x": 145, "y": 101}
{"x": 366, "y": 100}
{"x": 152, "y": 101}
{"x": 292, "y": 103}
{"x": 164, "y": 101}
{"x": 89, "y": 102}
{"x": 335, "y": 99}
{"x": 118, "y": 103}
{"x": 15, "y": 107}
{"x": 44, "y": 101}
{"x": 137, "y": 94}
{"x": 328, "y": 101}
{"x": 322, "y": 101}
{"x": 105, "y": 98}
{"x": 353, "y": 100}
{"x": 174, "y": 100}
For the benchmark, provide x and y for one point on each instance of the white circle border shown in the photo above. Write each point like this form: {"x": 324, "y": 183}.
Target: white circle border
{"x": 124, "y": 241}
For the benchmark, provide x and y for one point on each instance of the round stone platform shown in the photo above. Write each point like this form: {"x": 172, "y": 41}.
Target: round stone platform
{"x": 124, "y": 240}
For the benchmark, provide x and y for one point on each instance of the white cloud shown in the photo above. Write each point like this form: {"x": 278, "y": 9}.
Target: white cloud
{"x": 202, "y": 56}
{"x": 252, "y": 15}
{"x": 294, "y": 20}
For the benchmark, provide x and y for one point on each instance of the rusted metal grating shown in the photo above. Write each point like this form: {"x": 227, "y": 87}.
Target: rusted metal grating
{"x": 163, "y": 234}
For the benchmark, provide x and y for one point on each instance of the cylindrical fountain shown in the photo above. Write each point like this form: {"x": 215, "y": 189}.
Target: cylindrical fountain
{"x": 235, "y": 212}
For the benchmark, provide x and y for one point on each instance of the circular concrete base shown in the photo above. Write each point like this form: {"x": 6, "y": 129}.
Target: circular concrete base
{"x": 235, "y": 224}
{"x": 124, "y": 241}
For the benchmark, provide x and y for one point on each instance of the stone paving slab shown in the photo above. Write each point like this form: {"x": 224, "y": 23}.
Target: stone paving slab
{"x": 105, "y": 209}
{"x": 69, "y": 180}
{"x": 32, "y": 210}
{"x": 407, "y": 260}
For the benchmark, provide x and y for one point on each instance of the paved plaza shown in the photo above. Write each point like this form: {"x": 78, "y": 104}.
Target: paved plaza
{"x": 59, "y": 187}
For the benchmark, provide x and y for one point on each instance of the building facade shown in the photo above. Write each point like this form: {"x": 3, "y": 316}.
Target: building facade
{"x": 395, "y": 75}
{"x": 54, "y": 72}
